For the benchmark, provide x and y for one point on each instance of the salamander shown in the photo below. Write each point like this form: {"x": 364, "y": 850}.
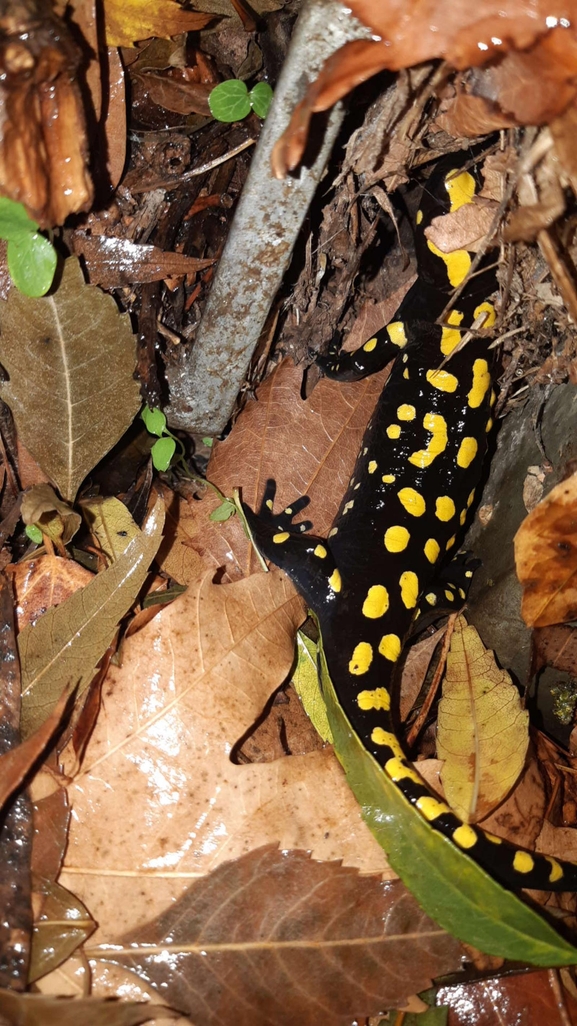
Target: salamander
{"x": 414, "y": 482}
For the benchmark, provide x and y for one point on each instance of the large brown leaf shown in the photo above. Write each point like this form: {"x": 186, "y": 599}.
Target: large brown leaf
{"x": 159, "y": 801}
{"x": 275, "y": 938}
{"x": 71, "y": 358}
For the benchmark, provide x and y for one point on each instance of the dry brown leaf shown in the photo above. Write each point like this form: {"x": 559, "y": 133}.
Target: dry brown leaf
{"x": 465, "y": 228}
{"x": 38, "y": 1010}
{"x": 555, "y": 646}
{"x": 276, "y": 937}
{"x": 331, "y": 424}
{"x": 178, "y": 94}
{"x": 482, "y": 730}
{"x": 43, "y": 582}
{"x": 405, "y": 34}
{"x": 546, "y": 557}
{"x": 112, "y": 262}
{"x": 529, "y": 997}
{"x": 158, "y": 801}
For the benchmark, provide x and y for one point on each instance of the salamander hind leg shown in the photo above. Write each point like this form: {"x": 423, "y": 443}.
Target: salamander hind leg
{"x": 305, "y": 558}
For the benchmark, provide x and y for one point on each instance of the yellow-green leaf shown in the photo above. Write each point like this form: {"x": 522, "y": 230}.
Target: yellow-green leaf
{"x": 56, "y": 519}
{"x": 110, "y": 523}
{"x": 307, "y": 686}
{"x": 483, "y": 731}
{"x": 64, "y": 646}
{"x": 128, "y": 21}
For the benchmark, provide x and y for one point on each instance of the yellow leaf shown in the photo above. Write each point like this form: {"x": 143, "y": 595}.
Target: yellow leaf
{"x": 128, "y": 21}
{"x": 307, "y": 686}
{"x": 482, "y": 729}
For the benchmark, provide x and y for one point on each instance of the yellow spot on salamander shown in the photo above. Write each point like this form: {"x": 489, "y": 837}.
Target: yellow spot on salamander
{"x": 412, "y": 501}
{"x": 320, "y": 551}
{"x": 372, "y": 466}
{"x": 450, "y": 337}
{"x": 432, "y": 550}
{"x": 442, "y": 380}
{"x": 444, "y": 508}
{"x": 370, "y": 345}
{"x": 288, "y": 510}
{"x": 437, "y": 425}
{"x": 492, "y": 397}
{"x": 390, "y": 647}
{"x": 462, "y": 516}
{"x": 465, "y": 836}
{"x": 431, "y": 808}
{"x": 556, "y": 869}
{"x": 394, "y": 430}
{"x": 467, "y": 452}
{"x": 523, "y": 862}
{"x": 385, "y": 737}
{"x": 377, "y": 699}
{"x": 409, "y": 583}
{"x": 450, "y": 543}
{"x": 396, "y": 333}
{"x": 468, "y": 573}
{"x": 406, "y": 373}
{"x": 333, "y": 531}
{"x": 396, "y": 770}
{"x": 278, "y": 539}
{"x": 449, "y": 595}
{"x": 431, "y": 598}
{"x": 335, "y": 582}
{"x": 481, "y": 384}
{"x": 348, "y": 505}
{"x": 419, "y": 217}
{"x": 492, "y": 837}
{"x": 396, "y": 538}
{"x": 406, "y": 412}
{"x": 458, "y": 263}
{"x": 489, "y": 425}
{"x": 361, "y": 658}
{"x": 376, "y": 602}
{"x": 470, "y": 499}
{"x": 461, "y": 188}
{"x": 268, "y": 504}
{"x": 488, "y": 309}
{"x": 389, "y": 479}
{"x": 462, "y": 594}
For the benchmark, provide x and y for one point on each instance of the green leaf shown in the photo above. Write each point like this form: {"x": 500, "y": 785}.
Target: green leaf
{"x": 62, "y": 925}
{"x": 208, "y": 442}
{"x": 154, "y": 421}
{"x": 14, "y": 220}
{"x": 448, "y": 885}
{"x": 66, "y": 643}
{"x": 31, "y": 262}
{"x": 162, "y": 453}
{"x": 229, "y": 101}
{"x": 34, "y": 533}
{"x": 225, "y": 511}
{"x": 260, "y": 98}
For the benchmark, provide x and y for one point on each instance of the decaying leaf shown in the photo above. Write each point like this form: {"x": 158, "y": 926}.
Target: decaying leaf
{"x": 275, "y": 937}
{"x": 43, "y": 582}
{"x": 42, "y": 507}
{"x": 71, "y": 358}
{"x": 546, "y": 557}
{"x": 41, "y": 1010}
{"x": 64, "y": 646}
{"x": 305, "y": 680}
{"x": 128, "y": 21}
{"x": 43, "y": 144}
{"x": 483, "y": 731}
{"x": 158, "y": 765}
{"x": 16, "y": 763}
{"x": 61, "y": 924}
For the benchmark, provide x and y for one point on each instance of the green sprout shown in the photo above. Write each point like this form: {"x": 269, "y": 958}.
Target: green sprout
{"x": 232, "y": 101}
{"x": 30, "y": 256}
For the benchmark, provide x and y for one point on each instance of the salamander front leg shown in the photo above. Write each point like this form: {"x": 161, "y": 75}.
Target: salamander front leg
{"x": 305, "y": 558}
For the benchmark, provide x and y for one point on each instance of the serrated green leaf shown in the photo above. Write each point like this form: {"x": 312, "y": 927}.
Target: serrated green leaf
{"x": 229, "y": 101}
{"x": 308, "y": 687}
{"x": 14, "y": 219}
{"x": 162, "y": 452}
{"x": 260, "y": 98}
{"x": 65, "y": 645}
{"x": 448, "y": 885}
{"x": 31, "y": 262}
{"x": 225, "y": 511}
{"x": 34, "y": 533}
{"x": 154, "y": 421}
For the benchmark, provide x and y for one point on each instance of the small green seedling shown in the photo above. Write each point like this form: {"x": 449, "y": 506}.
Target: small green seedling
{"x": 232, "y": 101}
{"x": 33, "y": 533}
{"x": 31, "y": 257}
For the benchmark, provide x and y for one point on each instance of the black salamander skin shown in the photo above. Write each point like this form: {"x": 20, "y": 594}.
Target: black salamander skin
{"x": 414, "y": 481}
